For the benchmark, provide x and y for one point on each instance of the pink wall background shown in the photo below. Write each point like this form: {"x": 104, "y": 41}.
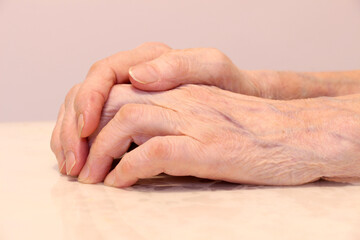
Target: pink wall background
{"x": 48, "y": 46}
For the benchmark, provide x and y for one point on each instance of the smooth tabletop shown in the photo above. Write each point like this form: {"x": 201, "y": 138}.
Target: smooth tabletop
{"x": 36, "y": 202}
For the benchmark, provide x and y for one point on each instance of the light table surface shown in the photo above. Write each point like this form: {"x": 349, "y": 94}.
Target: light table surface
{"x": 36, "y": 202}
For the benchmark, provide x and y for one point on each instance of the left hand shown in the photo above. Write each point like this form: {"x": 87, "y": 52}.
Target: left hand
{"x": 211, "y": 133}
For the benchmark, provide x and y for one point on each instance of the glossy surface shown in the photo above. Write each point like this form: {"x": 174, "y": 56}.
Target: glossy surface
{"x": 37, "y": 203}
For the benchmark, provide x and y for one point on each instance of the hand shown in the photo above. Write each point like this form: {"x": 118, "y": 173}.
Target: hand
{"x": 154, "y": 67}
{"x": 211, "y": 133}
{"x": 80, "y": 114}
{"x": 85, "y": 101}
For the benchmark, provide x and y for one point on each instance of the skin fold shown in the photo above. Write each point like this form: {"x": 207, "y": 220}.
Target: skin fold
{"x": 257, "y": 127}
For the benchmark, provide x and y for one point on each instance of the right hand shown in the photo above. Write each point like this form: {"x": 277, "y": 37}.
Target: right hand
{"x": 210, "y": 133}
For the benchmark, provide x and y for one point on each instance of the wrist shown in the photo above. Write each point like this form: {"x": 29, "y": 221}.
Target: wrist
{"x": 316, "y": 84}
{"x": 298, "y": 85}
{"x": 332, "y": 130}
{"x": 262, "y": 83}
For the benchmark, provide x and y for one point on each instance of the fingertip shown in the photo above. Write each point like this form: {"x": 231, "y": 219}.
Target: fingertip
{"x": 110, "y": 179}
{"x": 160, "y": 85}
{"x": 94, "y": 170}
{"x": 70, "y": 162}
{"x": 88, "y": 107}
{"x": 84, "y": 175}
{"x": 119, "y": 177}
{"x": 61, "y": 162}
{"x": 133, "y": 77}
{"x": 152, "y": 76}
{"x": 143, "y": 74}
{"x": 62, "y": 167}
{"x": 87, "y": 122}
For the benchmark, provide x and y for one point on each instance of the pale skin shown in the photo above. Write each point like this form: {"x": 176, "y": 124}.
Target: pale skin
{"x": 258, "y": 127}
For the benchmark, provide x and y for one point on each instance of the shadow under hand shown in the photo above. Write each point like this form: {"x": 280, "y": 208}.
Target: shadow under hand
{"x": 168, "y": 183}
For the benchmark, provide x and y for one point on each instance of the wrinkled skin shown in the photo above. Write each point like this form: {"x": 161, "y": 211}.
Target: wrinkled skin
{"x": 207, "y": 132}
{"x": 324, "y": 131}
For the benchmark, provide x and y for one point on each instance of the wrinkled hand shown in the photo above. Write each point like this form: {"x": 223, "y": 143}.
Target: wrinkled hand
{"x": 151, "y": 66}
{"x": 84, "y": 103}
{"x": 155, "y": 67}
{"x": 211, "y": 133}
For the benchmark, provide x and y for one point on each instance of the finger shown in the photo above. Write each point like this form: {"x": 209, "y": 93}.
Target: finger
{"x": 133, "y": 123}
{"x": 100, "y": 79}
{"x": 174, "y": 155}
{"x": 55, "y": 142}
{"x": 119, "y": 95}
{"x": 196, "y": 66}
{"x": 75, "y": 148}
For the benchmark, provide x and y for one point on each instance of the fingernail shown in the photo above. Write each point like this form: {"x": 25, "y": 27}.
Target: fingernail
{"x": 61, "y": 158}
{"x": 110, "y": 179}
{"x": 144, "y": 74}
{"x": 62, "y": 166}
{"x": 70, "y": 162}
{"x": 84, "y": 174}
{"x": 80, "y": 124}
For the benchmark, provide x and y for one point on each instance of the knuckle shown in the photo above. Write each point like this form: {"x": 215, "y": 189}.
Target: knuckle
{"x": 103, "y": 67}
{"x": 116, "y": 99}
{"x": 119, "y": 90}
{"x": 195, "y": 91}
{"x": 127, "y": 166}
{"x": 173, "y": 64}
{"x": 97, "y": 65}
{"x": 217, "y": 54}
{"x": 159, "y": 149}
{"x": 176, "y": 60}
{"x": 89, "y": 102}
{"x": 129, "y": 113}
{"x": 71, "y": 94}
{"x": 95, "y": 96}
{"x": 186, "y": 91}
{"x": 94, "y": 93}
{"x": 222, "y": 65}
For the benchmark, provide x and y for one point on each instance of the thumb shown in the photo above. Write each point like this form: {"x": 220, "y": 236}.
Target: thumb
{"x": 191, "y": 66}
